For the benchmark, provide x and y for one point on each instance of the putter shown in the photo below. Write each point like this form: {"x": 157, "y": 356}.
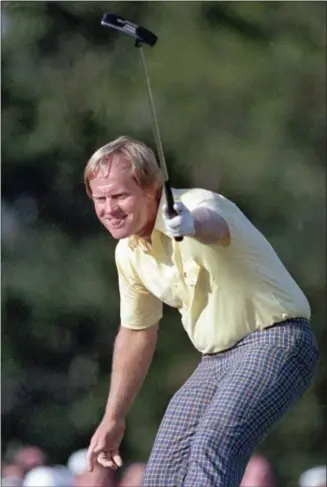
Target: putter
{"x": 144, "y": 36}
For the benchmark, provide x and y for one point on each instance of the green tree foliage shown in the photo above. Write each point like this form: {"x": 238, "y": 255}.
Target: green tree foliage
{"x": 240, "y": 93}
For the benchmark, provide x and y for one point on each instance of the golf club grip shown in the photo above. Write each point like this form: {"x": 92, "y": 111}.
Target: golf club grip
{"x": 170, "y": 205}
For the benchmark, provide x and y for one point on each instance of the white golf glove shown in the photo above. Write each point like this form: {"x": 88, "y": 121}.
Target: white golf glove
{"x": 181, "y": 225}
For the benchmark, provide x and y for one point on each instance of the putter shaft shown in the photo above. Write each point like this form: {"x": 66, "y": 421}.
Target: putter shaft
{"x": 156, "y": 131}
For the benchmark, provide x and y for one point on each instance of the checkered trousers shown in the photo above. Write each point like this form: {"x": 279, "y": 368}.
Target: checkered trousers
{"x": 227, "y": 406}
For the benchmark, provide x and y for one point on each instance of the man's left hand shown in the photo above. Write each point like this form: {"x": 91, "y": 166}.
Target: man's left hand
{"x": 181, "y": 225}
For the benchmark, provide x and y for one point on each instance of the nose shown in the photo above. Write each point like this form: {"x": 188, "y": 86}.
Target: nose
{"x": 110, "y": 206}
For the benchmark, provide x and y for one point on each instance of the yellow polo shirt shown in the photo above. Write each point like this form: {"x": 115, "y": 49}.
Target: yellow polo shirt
{"x": 222, "y": 293}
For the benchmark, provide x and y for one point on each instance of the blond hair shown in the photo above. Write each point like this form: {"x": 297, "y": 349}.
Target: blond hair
{"x": 143, "y": 162}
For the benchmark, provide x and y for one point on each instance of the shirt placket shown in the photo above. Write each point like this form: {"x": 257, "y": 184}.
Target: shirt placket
{"x": 170, "y": 268}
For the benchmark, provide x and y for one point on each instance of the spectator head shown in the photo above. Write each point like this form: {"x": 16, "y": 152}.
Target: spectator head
{"x": 259, "y": 473}
{"x": 47, "y": 477}
{"x": 29, "y": 457}
{"x": 314, "y": 477}
{"x": 11, "y": 475}
{"x": 133, "y": 475}
{"x": 77, "y": 462}
{"x": 99, "y": 477}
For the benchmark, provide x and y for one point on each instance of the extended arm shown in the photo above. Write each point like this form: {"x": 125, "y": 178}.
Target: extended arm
{"x": 134, "y": 346}
{"x": 210, "y": 227}
{"x": 133, "y": 352}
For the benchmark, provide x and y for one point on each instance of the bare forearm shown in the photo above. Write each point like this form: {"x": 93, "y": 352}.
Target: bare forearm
{"x": 133, "y": 352}
{"x": 210, "y": 227}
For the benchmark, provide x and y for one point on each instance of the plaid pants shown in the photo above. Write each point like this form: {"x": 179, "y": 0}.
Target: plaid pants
{"x": 227, "y": 406}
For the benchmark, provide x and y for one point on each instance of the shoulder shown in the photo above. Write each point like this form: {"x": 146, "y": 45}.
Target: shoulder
{"x": 195, "y": 197}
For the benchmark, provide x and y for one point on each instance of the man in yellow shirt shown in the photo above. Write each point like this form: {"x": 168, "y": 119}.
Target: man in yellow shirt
{"x": 239, "y": 306}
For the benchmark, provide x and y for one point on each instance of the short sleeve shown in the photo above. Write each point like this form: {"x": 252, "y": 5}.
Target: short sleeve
{"x": 240, "y": 228}
{"x": 139, "y": 309}
{"x": 201, "y": 198}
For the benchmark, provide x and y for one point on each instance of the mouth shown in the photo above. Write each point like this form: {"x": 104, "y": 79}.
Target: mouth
{"x": 116, "y": 222}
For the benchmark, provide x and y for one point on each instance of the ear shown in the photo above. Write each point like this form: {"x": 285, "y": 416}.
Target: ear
{"x": 151, "y": 193}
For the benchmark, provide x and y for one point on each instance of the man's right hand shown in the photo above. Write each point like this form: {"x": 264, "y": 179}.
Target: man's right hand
{"x": 133, "y": 352}
{"x": 104, "y": 445}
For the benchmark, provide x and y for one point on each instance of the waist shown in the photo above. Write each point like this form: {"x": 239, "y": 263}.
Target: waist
{"x": 298, "y": 322}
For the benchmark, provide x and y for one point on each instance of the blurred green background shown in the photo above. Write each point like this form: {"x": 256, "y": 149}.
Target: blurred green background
{"x": 240, "y": 91}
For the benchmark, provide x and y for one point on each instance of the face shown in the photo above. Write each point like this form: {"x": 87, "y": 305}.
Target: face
{"x": 121, "y": 205}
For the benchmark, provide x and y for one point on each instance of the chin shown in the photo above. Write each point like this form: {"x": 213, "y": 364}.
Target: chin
{"x": 119, "y": 233}
{"x": 123, "y": 232}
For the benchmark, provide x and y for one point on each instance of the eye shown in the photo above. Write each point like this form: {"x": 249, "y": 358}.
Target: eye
{"x": 120, "y": 196}
{"x": 99, "y": 198}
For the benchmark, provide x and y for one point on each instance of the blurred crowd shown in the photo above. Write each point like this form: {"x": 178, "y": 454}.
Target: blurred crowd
{"x": 29, "y": 467}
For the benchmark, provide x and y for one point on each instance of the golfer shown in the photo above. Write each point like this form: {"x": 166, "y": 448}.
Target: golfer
{"x": 240, "y": 307}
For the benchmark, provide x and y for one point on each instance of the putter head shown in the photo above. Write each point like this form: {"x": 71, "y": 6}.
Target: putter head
{"x": 141, "y": 34}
